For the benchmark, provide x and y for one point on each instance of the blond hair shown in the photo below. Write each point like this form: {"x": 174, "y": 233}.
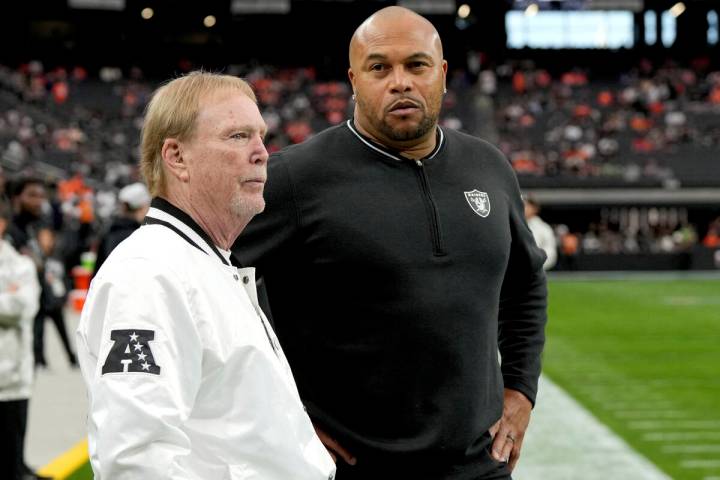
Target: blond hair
{"x": 172, "y": 113}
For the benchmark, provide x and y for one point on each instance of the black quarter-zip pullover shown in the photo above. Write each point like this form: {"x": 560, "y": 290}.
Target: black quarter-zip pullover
{"x": 392, "y": 283}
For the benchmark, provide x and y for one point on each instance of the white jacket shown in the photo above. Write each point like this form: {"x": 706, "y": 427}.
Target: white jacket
{"x": 19, "y": 302}
{"x": 545, "y": 239}
{"x": 194, "y": 385}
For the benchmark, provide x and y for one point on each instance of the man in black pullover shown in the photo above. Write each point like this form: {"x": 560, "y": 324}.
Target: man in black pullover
{"x": 397, "y": 262}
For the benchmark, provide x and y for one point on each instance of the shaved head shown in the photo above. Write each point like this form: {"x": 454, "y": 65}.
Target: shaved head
{"x": 393, "y": 19}
{"x": 397, "y": 72}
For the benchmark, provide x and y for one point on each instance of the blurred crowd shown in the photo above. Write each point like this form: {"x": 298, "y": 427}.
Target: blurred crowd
{"x": 641, "y": 126}
{"x": 78, "y": 134}
{"x": 566, "y": 124}
{"x": 635, "y": 230}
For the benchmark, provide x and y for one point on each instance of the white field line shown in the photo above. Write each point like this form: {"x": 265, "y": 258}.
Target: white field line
{"x": 691, "y": 301}
{"x": 679, "y": 436}
{"x": 651, "y": 414}
{"x": 674, "y": 424}
{"x": 700, "y": 464}
{"x": 566, "y": 442}
{"x": 636, "y": 407}
{"x": 708, "y": 448}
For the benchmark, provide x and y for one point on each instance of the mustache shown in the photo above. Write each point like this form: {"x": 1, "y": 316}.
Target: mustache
{"x": 406, "y": 101}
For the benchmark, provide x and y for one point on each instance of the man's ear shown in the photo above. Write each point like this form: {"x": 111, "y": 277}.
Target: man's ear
{"x": 172, "y": 157}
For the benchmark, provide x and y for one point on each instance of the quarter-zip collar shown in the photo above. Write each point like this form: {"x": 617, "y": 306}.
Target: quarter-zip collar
{"x": 395, "y": 155}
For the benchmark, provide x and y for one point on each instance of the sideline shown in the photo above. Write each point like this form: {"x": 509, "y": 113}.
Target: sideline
{"x": 659, "y": 275}
{"x": 566, "y": 442}
{"x": 68, "y": 463}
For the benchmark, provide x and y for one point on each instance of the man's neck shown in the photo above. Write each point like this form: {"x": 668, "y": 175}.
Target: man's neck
{"x": 222, "y": 228}
{"x": 413, "y": 149}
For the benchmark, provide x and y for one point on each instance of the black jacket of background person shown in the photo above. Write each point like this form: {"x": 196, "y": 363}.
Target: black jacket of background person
{"x": 120, "y": 229}
{"x": 385, "y": 287}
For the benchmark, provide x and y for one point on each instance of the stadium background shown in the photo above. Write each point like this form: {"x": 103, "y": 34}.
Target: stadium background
{"x": 620, "y": 143}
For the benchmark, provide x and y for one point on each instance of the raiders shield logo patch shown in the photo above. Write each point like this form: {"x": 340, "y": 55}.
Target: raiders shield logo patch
{"x": 131, "y": 353}
{"x": 479, "y": 202}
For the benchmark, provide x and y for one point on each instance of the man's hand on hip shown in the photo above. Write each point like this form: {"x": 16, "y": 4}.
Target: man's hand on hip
{"x": 509, "y": 431}
{"x": 334, "y": 448}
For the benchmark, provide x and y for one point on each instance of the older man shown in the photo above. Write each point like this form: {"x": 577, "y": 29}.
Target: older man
{"x": 186, "y": 378}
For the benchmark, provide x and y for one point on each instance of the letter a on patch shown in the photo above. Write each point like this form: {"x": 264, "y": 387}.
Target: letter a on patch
{"x": 131, "y": 353}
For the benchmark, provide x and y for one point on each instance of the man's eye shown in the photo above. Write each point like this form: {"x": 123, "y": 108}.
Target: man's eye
{"x": 240, "y": 135}
{"x": 377, "y": 67}
{"x": 416, "y": 64}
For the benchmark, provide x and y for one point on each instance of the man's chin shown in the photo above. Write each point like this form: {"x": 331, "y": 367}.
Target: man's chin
{"x": 405, "y": 134}
{"x": 407, "y": 129}
{"x": 248, "y": 208}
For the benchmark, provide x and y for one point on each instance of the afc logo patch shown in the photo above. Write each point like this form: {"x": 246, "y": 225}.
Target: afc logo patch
{"x": 479, "y": 202}
{"x": 131, "y": 353}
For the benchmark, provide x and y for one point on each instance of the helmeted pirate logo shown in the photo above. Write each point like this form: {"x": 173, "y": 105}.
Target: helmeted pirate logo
{"x": 131, "y": 353}
{"x": 479, "y": 202}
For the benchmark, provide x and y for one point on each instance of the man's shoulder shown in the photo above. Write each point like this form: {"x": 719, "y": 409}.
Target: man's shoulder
{"x": 464, "y": 140}
{"x": 316, "y": 148}
{"x": 151, "y": 244}
{"x": 469, "y": 148}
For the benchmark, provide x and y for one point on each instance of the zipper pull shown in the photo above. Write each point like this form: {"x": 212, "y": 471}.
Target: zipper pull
{"x": 418, "y": 163}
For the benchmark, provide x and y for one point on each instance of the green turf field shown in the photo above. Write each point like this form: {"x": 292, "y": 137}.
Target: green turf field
{"x": 644, "y": 357}
{"x": 84, "y": 473}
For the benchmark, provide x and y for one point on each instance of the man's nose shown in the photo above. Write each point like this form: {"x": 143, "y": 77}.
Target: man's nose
{"x": 401, "y": 81}
{"x": 260, "y": 153}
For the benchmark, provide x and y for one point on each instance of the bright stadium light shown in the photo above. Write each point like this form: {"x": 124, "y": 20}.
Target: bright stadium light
{"x": 532, "y": 10}
{"x": 712, "y": 33}
{"x": 147, "y": 13}
{"x": 677, "y": 9}
{"x": 463, "y": 10}
{"x": 209, "y": 21}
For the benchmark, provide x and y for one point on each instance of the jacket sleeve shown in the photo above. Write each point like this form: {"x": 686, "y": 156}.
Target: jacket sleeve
{"x": 523, "y": 304}
{"x": 268, "y": 238}
{"x": 139, "y": 396}
{"x": 24, "y": 301}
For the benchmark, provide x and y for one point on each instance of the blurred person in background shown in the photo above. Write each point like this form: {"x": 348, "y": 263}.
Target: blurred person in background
{"x": 397, "y": 261}
{"x": 542, "y": 232}
{"x": 569, "y": 247}
{"x": 19, "y": 299}
{"x": 186, "y": 378}
{"x": 53, "y": 297}
{"x": 712, "y": 237}
{"x": 134, "y": 203}
{"x": 3, "y": 185}
{"x": 27, "y": 197}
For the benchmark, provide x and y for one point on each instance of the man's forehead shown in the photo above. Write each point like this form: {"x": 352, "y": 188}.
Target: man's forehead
{"x": 404, "y": 43}
{"x": 227, "y": 114}
{"x": 227, "y": 106}
{"x": 223, "y": 97}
